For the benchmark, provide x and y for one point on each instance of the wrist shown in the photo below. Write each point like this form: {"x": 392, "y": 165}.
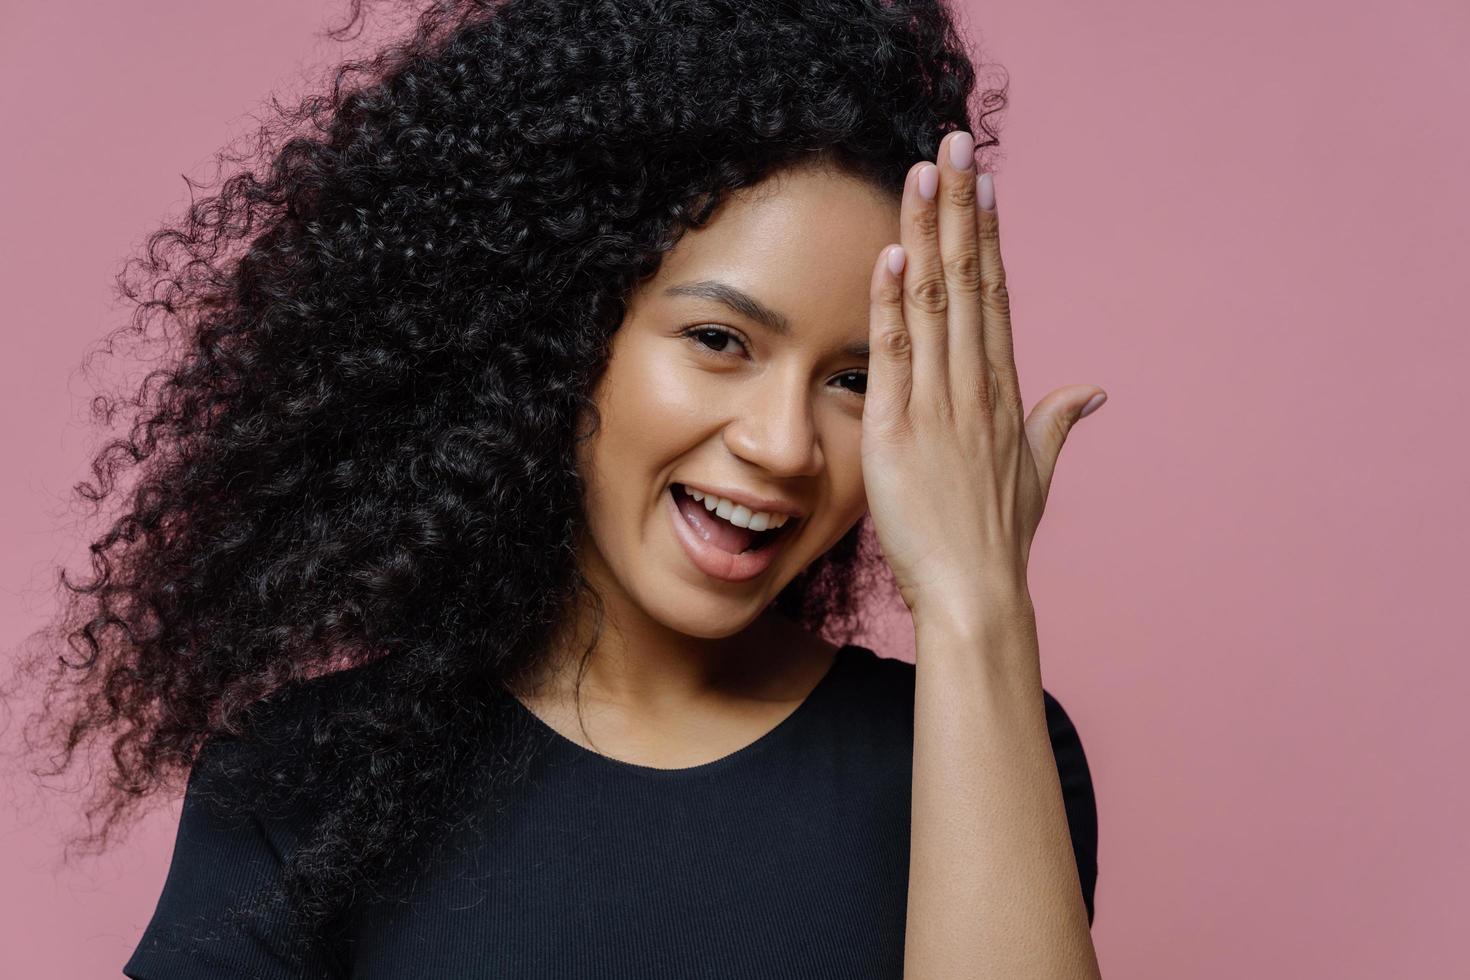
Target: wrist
{"x": 978, "y": 616}
{"x": 1002, "y": 629}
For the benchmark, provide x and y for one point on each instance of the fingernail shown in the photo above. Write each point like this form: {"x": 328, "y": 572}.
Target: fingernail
{"x": 928, "y": 181}
{"x": 962, "y": 151}
{"x": 1093, "y": 404}
{"x": 895, "y": 259}
{"x": 987, "y": 192}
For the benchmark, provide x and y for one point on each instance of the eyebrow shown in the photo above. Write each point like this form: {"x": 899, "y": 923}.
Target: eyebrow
{"x": 749, "y": 307}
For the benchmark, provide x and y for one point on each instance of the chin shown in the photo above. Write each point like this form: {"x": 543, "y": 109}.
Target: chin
{"x": 701, "y": 613}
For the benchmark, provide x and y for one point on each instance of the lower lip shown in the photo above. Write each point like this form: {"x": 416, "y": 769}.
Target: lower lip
{"x": 715, "y": 562}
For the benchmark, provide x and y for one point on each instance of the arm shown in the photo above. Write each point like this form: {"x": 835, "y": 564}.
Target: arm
{"x": 957, "y": 476}
{"x": 993, "y": 882}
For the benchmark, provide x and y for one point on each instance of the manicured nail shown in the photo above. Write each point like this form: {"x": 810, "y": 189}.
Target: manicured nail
{"x": 987, "y": 192}
{"x": 895, "y": 259}
{"x": 928, "y": 181}
{"x": 962, "y": 151}
{"x": 1093, "y": 404}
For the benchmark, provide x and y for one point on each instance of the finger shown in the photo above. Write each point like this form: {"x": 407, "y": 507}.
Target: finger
{"x": 1049, "y": 425}
{"x": 959, "y": 249}
{"x": 995, "y": 301}
{"x": 925, "y": 298}
{"x": 890, "y": 364}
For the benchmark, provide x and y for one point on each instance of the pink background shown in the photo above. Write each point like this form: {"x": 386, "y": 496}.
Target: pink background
{"x": 1248, "y": 222}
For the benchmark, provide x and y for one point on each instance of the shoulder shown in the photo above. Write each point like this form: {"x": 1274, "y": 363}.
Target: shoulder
{"x": 289, "y": 711}
{"x": 255, "y": 765}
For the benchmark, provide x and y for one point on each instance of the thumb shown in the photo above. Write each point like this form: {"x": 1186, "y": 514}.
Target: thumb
{"x": 1052, "y": 419}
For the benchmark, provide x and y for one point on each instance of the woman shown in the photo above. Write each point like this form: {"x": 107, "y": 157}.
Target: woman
{"x": 490, "y": 531}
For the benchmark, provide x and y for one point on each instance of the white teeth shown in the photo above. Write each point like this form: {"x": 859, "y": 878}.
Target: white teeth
{"x": 738, "y": 514}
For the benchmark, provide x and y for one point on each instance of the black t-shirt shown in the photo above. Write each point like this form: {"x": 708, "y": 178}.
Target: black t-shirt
{"x": 786, "y": 858}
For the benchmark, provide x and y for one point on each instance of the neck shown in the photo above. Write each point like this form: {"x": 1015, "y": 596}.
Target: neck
{"x": 771, "y": 659}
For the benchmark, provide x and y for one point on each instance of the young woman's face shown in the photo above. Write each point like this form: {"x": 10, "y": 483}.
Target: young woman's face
{"x": 702, "y": 392}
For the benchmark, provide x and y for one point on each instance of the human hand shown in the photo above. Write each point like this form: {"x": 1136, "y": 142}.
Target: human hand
{"x": 956, "y": 481}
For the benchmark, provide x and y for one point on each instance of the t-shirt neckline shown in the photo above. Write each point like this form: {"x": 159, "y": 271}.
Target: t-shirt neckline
{"x": 587, "y": 756}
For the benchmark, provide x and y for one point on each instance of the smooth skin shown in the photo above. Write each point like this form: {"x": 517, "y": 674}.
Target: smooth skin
{"x": 687, "y": 670}
{"x": 993, "y": 884}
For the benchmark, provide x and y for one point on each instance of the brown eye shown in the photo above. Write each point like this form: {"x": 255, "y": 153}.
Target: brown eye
{"x": 862, "y": 379}
{"x": 711, "y": 339}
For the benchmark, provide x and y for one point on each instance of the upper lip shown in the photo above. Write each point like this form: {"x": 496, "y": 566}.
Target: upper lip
{"x": 754, "y": 501}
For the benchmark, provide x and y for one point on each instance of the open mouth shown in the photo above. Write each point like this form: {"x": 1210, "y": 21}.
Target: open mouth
{"x": 720, "y": 532}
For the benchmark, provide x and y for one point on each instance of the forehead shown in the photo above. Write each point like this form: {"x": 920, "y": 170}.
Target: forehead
{"x": 803, "y": 243}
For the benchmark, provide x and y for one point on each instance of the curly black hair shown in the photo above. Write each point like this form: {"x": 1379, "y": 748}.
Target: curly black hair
{"x": 359, "y": 465}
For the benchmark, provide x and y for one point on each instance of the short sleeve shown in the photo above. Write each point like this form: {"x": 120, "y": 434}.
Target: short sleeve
{"x": 222, "y": 911}
{"x": 1077, "y": 794}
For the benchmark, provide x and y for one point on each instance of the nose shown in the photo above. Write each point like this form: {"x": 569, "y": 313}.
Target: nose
{"x": 775, "y": 429}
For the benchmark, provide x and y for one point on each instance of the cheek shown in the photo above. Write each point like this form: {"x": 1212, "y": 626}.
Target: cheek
{"x": 664, "y": 383}
{"x": 652, "y": 409}
{"x": 844, "y": 455}
{"x": 658, "y": 403}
